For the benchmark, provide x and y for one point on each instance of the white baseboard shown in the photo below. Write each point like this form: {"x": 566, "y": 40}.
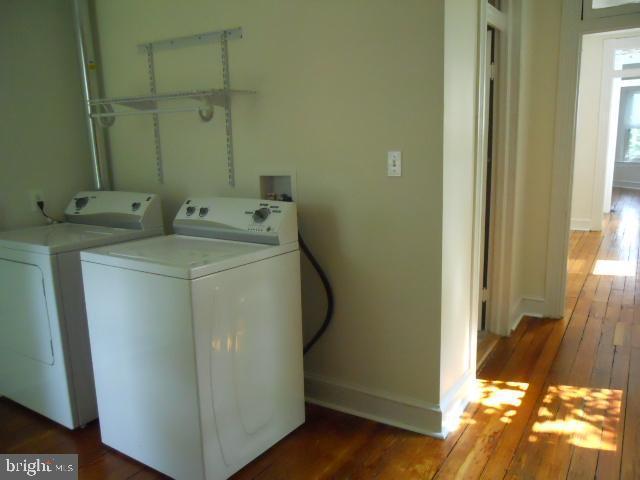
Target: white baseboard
{"x": 402, "y": 412}
{"x": 384, "y": 407}
{"x": 528, "y": 307}
{"x": 583, "y": 224}
{"x": 626, "y": 184}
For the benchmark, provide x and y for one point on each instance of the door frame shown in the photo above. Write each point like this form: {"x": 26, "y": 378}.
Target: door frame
{"x": 499, "y": 306}
{"x": 573, "y": 27}
{"x": 607, "y": 136}
{"x": 611, "y": 84}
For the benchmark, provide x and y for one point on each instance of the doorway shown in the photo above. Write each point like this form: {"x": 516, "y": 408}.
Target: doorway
{"x": 497, "y": 108}
{"x": 626, "y": 173}
{"x": 486, "y": 339}
{"x": 604, "y": 123}
{"x": 490, "y": 68}
{"x": 579, "y": 19}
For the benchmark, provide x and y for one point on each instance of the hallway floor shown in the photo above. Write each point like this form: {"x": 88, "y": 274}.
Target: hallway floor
{"x": 558, "y": 399}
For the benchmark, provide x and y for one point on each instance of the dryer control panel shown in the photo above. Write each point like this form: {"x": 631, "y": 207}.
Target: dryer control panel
{"x": 238, "y": 219}
{"x": 140, "y": 211}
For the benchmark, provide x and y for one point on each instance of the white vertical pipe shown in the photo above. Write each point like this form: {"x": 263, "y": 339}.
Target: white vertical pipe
{"x": 98, "y": 154}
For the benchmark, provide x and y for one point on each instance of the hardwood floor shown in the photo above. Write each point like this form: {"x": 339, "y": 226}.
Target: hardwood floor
{"x": 558, "y": 399}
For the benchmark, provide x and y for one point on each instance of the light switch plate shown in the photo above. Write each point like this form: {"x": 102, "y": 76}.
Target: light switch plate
{"x": 394, "y": 164}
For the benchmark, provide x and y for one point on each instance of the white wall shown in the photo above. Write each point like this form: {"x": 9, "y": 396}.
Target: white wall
{"x": 43, "y": 141}
{"x": 538, "y": 83}
{"x": 583, "y": 216}
{"x": 460, "y": 113}
{"x": 339, "y": 84}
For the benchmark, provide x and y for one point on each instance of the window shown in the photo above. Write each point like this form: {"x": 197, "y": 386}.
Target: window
{"x": 599, "y": 4}
{"x": 628, "y": 149}
{"x": 626, "y": 58}
{"x": 609, "y": 8}
{"x": 632, "y": 145}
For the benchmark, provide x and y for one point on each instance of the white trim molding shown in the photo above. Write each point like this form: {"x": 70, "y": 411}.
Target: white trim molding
{"x": 527, "y": 307}
{"x": 384, "y": 407}
{"x": 396, "y": 410}
{"x": 508, "y": 22}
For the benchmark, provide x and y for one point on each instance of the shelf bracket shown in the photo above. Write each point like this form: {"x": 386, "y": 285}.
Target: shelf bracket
{"x": 156, "y": 119}
{"x": 102, "y": 109}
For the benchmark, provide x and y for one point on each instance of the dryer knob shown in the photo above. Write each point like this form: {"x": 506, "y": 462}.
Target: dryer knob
{"x": 81, "y": 202}
{"x": 135, "y": 206}
{"x": 190, "y": 211}
{"x": 261, "y": 214}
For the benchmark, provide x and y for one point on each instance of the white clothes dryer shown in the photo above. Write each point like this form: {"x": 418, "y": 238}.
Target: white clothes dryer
{"x": 45, "y": 361}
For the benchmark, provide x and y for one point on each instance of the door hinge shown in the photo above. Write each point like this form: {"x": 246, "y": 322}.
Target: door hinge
{"x": 492, "y": 71}
{"x": 485, "y": 295}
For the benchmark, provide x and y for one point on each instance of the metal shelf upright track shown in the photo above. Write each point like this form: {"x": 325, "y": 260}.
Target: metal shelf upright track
{"x": 103, "y": 109}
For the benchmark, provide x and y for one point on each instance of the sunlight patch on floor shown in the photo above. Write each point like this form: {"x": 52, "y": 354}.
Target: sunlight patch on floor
{"x": 499, "y": 397}
{"x": 492, "y": 397}
{"x": 584, "y": 417}
{"x": 616, "y": 268}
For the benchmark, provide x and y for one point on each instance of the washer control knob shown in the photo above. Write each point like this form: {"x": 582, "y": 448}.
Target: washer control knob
{"x": 261, "y": 214}
{"x": 135, "y": 206}
{"x": 190, "y": 211}
{"x": 81, "y": 202}
{"x": 203, "y": 211}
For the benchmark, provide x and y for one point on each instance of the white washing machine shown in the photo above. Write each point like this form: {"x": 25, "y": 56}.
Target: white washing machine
{"x": 197, "y": 343}
{"x": 45, "y": 361}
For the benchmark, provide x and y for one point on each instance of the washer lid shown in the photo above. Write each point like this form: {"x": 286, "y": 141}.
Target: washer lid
{"x": 65, "y": 237}
{"x": 183, "y": 257}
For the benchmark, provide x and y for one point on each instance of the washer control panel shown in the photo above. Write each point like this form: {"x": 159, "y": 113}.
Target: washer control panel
{"x": 240, "y": 219}
{"x": 115, "y": 209}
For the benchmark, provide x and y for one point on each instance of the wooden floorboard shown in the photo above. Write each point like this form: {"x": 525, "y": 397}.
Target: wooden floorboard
{"x": 557, "y": 399}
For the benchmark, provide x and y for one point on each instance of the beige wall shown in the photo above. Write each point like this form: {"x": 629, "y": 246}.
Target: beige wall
{"x": 539, "y": 69}
{"x": 43, "y": 142}
{"x": 460, "y": 86}
{"x": 339, "y": 84}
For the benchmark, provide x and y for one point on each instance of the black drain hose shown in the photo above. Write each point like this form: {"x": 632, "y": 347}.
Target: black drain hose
{"x": 329, "y": 292}
{"x": 40, "y": 204}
